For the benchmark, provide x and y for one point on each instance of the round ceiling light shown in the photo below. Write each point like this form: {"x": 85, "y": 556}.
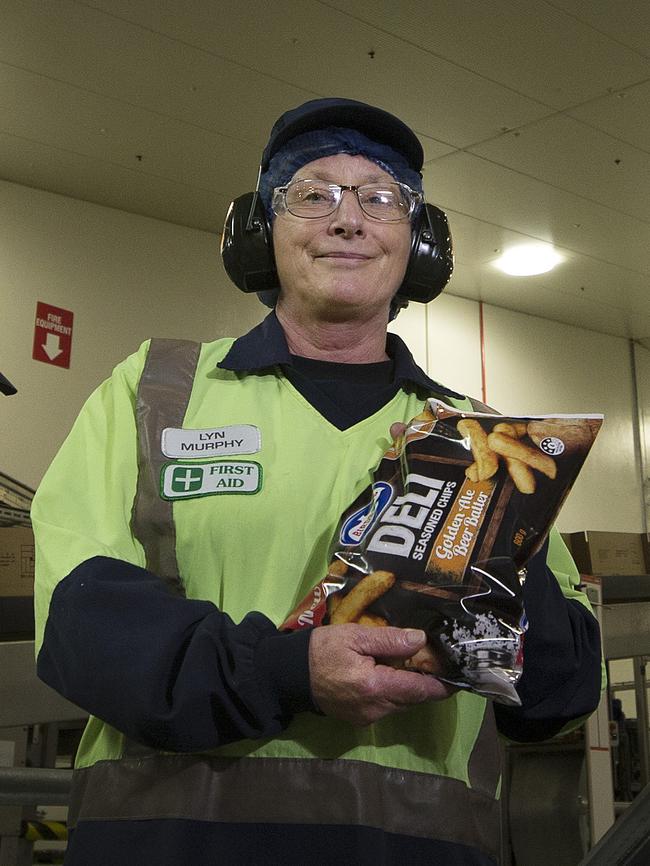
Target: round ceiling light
{"x": 526, "y": 260}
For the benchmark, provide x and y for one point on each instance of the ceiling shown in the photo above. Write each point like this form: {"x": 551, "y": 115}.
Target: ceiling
{"x": 535, "y": 120}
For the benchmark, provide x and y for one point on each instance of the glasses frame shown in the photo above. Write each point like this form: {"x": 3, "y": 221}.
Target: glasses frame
{"x": 279, "y": 201}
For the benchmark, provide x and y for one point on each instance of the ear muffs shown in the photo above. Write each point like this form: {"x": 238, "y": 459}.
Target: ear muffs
{"x": 247, "y": 247}
{"x": 431, "y": 260}
{"x": 247, "y": 251}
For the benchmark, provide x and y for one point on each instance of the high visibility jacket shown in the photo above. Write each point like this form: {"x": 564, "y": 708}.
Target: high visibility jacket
{"x": 240, "y": 511}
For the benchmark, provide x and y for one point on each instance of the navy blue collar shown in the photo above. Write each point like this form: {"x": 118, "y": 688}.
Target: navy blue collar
{"x": 266, "y": 346}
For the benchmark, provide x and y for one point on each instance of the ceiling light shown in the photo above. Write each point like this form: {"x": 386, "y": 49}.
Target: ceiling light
{"x": 528, "y": 259}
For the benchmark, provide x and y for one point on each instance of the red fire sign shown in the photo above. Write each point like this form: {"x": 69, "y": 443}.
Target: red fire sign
{"x": 52, "y": 335}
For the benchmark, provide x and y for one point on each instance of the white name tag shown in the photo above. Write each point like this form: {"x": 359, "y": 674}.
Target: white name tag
{"x": 185, "y": 481}
{"x": 212, "y": 442}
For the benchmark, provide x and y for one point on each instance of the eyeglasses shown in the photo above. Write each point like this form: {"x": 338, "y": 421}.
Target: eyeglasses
{"x": 311, "y": 199}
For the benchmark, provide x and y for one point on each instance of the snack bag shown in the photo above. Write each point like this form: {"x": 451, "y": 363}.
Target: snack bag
{"x": 440, "y": 539}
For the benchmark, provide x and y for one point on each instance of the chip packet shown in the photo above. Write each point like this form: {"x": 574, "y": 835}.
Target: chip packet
{"x": 440, "y": 539}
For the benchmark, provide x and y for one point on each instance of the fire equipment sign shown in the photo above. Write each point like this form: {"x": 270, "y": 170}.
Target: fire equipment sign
{"x": 52, "y": 335}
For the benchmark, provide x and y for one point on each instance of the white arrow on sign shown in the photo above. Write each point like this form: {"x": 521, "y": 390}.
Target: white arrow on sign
{"x": 51, "y": 346}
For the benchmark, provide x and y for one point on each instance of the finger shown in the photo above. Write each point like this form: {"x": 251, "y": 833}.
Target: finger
{"x": 397, "y": 429}
{"x": 405, "y": 688}
{"x": 388, "y": 642}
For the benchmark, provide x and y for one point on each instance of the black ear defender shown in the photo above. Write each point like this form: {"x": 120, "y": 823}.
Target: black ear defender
{"x": 247, "y": 251}
{"x": 431, "y": 260}
{"x": 247, "y": 245}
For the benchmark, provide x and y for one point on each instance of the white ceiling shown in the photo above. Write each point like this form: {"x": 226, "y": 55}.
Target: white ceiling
{"x": 535, "y": 119}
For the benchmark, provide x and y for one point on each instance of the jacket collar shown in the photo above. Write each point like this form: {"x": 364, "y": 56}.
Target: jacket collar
{"x": 266, "y": 346}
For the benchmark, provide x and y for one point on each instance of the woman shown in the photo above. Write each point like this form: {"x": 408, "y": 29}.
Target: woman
{"x": 217, "y": 742}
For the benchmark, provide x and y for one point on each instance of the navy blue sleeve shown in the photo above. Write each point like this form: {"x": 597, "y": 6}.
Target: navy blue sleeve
{"x": 169, "y": 672}
{"x": 561, "y": 679}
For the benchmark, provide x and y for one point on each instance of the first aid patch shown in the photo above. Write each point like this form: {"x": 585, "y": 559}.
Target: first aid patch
{"x": 187, "y": 481}
{"x": 211, "y": 442}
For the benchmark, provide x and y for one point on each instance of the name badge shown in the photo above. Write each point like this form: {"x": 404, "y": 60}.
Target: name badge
{"x": 186, "y": 481}
{"x": 211, "y": 442}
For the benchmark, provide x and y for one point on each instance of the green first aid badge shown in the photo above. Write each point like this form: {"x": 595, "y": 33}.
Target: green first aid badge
{"x": 185, "y": 481}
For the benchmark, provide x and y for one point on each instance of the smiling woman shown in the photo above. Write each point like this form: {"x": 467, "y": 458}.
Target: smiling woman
{"x": 345, "y": 266}
{"x": 195, "y": 500}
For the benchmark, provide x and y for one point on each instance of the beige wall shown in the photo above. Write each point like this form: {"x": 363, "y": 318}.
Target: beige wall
{"x": 127, "y": 277}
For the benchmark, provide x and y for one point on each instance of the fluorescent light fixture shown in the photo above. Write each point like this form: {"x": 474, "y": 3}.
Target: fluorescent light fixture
{"x": 528, "y": 259}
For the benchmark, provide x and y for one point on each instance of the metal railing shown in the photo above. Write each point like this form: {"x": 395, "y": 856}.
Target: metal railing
{"x": 29, "y": 786}
{"x": 628, "y": 842}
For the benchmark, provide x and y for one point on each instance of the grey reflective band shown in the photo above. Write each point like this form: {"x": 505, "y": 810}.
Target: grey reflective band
{"x": 484, "y": 766}
{"x": 286, "y": 791}
{"x": 163, "y": 395}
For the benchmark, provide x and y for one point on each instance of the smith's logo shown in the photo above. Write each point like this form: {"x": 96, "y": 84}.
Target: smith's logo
{"x": 359, "y": 523}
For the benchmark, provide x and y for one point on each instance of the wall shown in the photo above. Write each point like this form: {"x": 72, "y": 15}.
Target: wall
{"x": 127, "y": 277}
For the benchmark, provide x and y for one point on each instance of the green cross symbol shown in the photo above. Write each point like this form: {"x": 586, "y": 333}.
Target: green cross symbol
{"x": 185, "y": 480}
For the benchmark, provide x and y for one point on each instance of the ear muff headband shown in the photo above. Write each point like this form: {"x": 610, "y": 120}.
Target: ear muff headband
{"x": 247, "y": 251}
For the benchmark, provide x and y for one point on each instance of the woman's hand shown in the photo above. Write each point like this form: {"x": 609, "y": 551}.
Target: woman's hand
{"x": 350, "y": 682}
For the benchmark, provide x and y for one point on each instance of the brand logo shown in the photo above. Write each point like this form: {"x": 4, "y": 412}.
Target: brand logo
{"x": 186, "y": 481}
{"x": 552, "y": 445}
{"x": 359, "y": 523}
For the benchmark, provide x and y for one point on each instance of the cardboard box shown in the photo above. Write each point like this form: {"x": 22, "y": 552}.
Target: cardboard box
{"x": 603, "y": 553}
{"x": 16, "y": 561}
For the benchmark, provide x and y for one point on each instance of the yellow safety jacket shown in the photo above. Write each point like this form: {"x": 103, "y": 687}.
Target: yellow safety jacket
{"x": 247, "y": 526}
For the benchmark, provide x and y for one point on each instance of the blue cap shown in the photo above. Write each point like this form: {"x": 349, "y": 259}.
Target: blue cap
{"x": 375, "y": 123}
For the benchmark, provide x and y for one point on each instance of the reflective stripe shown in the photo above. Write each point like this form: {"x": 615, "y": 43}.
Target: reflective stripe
{"x": 484, "y": 765}
{"x": 163, "y": 395}
{"x": 287, "y": 791}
